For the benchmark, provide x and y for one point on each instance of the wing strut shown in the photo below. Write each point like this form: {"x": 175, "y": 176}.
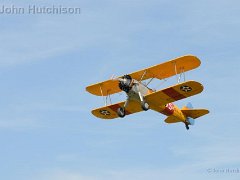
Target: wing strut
{"x": 144, "y": 73}
{"x": 104, "y": 100}
{"x": 149, "y": 81}
{"x": 175, "y": 67}
{"x": 108, "y": 98}
{"x": 182, "y": 73}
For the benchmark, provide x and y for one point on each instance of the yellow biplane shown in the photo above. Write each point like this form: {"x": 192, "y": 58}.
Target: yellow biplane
{"x": 141, "y": 98}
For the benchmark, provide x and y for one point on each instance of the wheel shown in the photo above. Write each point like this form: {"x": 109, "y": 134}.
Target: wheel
{"x": 121, "y": 112}
{"x": 144, "y": 105}
{"x": 187, "y": 127}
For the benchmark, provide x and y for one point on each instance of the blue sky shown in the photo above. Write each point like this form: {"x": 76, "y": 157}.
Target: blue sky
{"x": 46, "y": 129}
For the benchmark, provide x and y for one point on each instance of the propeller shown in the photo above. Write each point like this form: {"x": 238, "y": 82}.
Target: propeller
{"x": 114, "y": 78}
{"x": 125, "y": 82}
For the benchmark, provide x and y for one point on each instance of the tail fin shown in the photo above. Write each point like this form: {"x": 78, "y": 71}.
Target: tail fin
{"x": 188, "y": 106}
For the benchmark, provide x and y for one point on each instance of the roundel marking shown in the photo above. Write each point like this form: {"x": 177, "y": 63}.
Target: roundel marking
{"x": 186, "y": 88}
{"x": 105, "y": 112}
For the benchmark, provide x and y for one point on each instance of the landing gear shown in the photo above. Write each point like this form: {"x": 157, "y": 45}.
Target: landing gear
{"x": 134, "y": 90}
{"x": 187, "y": 126}
{"x": 121, "y": 112}
{"x": 144, "y": 105}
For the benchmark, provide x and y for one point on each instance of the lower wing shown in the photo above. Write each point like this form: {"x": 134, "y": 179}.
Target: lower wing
{"x": 174, "y": 93}
{"x": 156, "y": 99}
{"x": 110, "y": 112}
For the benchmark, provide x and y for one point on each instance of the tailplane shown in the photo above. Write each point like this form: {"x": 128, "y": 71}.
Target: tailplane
{"x": 192, "y": 114}
{"x": 189, "y": 115}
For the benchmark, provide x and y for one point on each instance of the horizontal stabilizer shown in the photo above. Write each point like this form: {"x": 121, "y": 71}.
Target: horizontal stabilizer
{"x": 172, "y": 119}
{"x": 194, "y": 113}
{"x": 191, "y": 114}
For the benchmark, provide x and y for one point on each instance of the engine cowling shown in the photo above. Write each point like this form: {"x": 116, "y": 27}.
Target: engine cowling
{"x": 125, "y": 83}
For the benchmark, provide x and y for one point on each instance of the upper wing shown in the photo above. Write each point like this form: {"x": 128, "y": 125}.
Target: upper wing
{"x": 104, "y": 88}
{"x": 169, "y": 68}
{"x": 174, "y": 93}
{"x": 110, "y": 112}
{"x": 160, "y": 71}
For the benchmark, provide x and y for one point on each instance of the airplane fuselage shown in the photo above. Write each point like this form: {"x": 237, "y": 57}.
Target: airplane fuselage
{"x": 169, "y": 109}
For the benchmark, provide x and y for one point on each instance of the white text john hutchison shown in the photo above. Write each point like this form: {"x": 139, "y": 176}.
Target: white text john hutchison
{"x": 34, "y": 9}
